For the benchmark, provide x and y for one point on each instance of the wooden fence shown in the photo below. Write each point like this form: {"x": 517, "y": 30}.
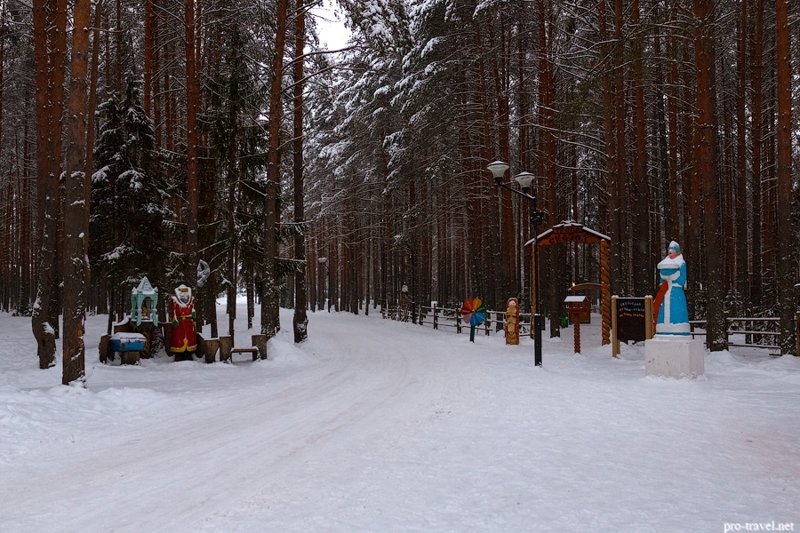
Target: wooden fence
{"x": 450, "y": 318}
{"x": 751, "y": 332}
{"x": 744, "y": 332}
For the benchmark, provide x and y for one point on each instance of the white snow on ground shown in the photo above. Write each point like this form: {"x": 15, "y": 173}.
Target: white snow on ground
{"x": 375, "y": 425}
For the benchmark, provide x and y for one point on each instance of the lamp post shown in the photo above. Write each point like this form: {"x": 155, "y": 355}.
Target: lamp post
{"x": 524, "y": 179}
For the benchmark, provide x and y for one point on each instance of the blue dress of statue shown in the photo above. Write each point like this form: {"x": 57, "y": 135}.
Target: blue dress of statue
{"x": 673, "y": 316}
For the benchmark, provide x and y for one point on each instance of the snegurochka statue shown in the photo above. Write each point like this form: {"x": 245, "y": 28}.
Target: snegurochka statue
{"x": 673, "y": 315}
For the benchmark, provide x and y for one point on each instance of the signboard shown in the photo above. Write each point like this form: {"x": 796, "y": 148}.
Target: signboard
{"x": 631, "y": 321}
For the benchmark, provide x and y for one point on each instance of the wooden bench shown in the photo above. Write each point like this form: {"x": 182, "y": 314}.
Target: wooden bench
{"x": 257, "y": 350}
{"x": 252, "y": 350}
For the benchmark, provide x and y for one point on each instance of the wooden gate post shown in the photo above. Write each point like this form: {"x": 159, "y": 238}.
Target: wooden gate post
{"x": 605, "y": 295}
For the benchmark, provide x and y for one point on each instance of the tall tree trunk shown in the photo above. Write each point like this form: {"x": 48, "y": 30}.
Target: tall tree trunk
{"x": 76, "y": 223}
{"x": 741, "y": 218}
{"x": 192, "y": 141}
{"x": 300, "y": 320}
{"x": 610, "y": 147}
{"x": 270, "y": 322}
{"x": 756, "y": 80}
{"x": 672, "y": 118}
{"x": 548, "y": 150}
{"x": 706, "y": 171}
{"x": 149, "y": 23}
{"x": 49, "y": 27}
{"x": 502, "y": 84}
{"x": 786, "y": 244}
{"x": 642, "y": 267}
{"x": 618, "y": 234}
{"x": 26, "y": 241}
{"x": 233, "y": 176}
{"x": 7, "y": 259}
{"x": 118, "y": 34}
{"x": 91, "y": 105}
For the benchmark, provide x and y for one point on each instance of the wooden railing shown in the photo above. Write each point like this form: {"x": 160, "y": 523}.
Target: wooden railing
{"x": 758, "y": 332}
{"x": 450, "y": 318}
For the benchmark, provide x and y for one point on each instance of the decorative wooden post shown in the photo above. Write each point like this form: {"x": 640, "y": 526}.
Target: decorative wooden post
{"x": 260, "y": 342}
{"x": 512, "y": 322}
{"x": 210, "y": 348}
{"x": 574, "y": 306}
{"x": 225, "y": 347}
{"x": 648, "y": 317}
{"x": 605, "y": 293}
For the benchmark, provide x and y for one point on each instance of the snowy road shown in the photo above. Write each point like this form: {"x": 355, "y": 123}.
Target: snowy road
{"x": 256, "y": 439}
{"x": 378, "y": 426}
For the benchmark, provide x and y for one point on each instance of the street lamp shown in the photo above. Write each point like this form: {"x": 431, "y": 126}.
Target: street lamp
{"x": 498, "y": 170}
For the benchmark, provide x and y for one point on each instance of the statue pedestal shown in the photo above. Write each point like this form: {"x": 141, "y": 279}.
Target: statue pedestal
{"x": 674, "y": 356}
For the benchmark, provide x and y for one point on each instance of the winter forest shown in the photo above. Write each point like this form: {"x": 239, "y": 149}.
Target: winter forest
{"x": 141, "y": 137}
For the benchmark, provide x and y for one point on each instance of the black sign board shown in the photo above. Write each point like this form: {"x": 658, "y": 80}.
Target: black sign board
{"x": 630, "y": 319}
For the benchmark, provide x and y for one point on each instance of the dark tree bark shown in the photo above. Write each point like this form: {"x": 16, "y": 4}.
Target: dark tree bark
{"x": 76, "y": 223}
{"x": 756, "y": 106}
{"x": 233, "y": 178}
{"x": 619, "y": 177}
{"x": 149, "y": 51}
{"x": 91, "y": 105}
{"x": 741, "y": 204}
{"x": 118, "y": 61}
{"x": 706, "y": 171}
{"x": 300, "y": 320}
{"x": 270, "y": 322}
{"x": 642, "y": 267}
{"x": 49, "y": 30}
{"x": 786, "y": 244}
{"x": 192, "y": 142}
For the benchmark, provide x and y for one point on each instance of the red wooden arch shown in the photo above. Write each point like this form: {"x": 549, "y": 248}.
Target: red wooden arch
{"x": 570, "y": 231}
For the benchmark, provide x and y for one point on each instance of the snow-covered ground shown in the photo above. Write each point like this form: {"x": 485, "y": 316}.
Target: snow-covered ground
{"x": 376, "y": 425}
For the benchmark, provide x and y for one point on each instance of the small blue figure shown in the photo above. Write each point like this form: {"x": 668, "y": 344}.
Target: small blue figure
{"x": 673, "y": 316}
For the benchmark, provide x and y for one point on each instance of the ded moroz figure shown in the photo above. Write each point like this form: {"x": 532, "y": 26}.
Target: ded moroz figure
{"x": 183, "y": 340}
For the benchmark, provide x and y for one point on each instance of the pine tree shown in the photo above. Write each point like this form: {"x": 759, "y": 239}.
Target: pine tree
{"x": 128, "y": 196}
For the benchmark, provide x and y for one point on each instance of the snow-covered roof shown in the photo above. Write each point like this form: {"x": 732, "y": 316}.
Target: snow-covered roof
{"x": 144, "y": 287}
{"x": 574, "y": 299}
{"x": 570, "y": 224}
